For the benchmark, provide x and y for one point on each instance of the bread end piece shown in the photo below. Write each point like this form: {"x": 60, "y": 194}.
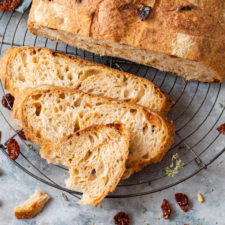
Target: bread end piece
{"x": 32, "y": 206}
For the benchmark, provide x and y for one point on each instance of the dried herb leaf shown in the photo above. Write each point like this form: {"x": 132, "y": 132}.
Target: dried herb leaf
{"x": 176, "y": 165}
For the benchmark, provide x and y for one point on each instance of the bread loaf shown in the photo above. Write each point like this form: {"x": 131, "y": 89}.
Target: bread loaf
{"x": 49, "y": 113}
{"x": 31, "y": 66}
{"x": 185, "y": 37}
{"x": 96, "y": 159}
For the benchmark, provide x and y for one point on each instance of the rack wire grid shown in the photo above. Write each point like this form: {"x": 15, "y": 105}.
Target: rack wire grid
{"x": 197, "y": 112}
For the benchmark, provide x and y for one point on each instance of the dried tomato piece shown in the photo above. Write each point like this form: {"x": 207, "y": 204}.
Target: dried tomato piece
{"x": 144, "y": 12}
{"x": 221, "y": 129}
{"x": 9, "y": 5}
{"x": 8, "y": 101}
{"x": 182, "y": 201}
{"x": 121, "y": 218}
{"x": 166, "y": 210}
{"x": 13, "y": 149}
{"x": 21, "y": 134}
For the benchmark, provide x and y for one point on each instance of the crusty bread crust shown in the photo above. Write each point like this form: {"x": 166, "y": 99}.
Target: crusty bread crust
{"x": 163, "y": 102}
{"x": 150, "y": 116}
{"x": 191, "y": 30}
{"x": 52, "y": 153}
{"x": 32, "y": 206}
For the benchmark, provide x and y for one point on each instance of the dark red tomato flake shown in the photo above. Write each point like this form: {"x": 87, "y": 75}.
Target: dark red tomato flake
{"x": 221, "y": 129}
{"x": 21, "y": 134}
{"x": 9, "y": 5}
{"x": 13, "y": 149}
{"x": 182, "y": 201}
{"x": 166, "y": 210}
{"x": 7, "y": 101}
{"x": 121, "y": 218}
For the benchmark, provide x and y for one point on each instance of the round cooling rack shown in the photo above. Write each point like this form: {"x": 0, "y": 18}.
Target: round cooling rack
{"x": 197, "y": 112}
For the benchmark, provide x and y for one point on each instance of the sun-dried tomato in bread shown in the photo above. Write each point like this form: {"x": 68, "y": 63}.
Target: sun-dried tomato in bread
{"x": 9, "y": 5}
{"x": 13, "y": 149}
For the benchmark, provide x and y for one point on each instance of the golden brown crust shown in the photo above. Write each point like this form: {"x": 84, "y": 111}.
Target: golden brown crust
{"x": 118, "y": 21}
{"x": 11, "y": 53}
{"x": 152, "y": 117}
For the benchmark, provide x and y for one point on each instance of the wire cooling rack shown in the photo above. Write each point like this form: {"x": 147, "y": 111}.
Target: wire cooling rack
{"x": 197, "y": 112}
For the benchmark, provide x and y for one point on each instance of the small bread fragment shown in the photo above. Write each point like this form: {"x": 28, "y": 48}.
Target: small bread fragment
{"x": 96, "y": 158}
{"x": 32, "y": 206}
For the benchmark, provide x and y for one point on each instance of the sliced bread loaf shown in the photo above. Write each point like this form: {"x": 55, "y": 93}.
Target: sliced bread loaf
{"x": 49, "y": 113}
{"x": 96, "y": 158}
{"x": 31, "y": 66}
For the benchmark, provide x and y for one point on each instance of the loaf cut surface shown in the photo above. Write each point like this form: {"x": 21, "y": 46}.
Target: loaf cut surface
{"x": 32, "y": 206}
{"x": 50, "y": 113}
{"x": 24, "y": 67}
{"x": 96, "y": 158}
{"x": 185, "y": 37}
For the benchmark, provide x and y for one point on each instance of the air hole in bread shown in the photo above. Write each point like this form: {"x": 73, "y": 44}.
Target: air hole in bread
{"x": 146, "y": 156}
{"x": 38, "y": 134}
{"x": 56, "y": 110}
{"x": 91, "y": 139}
{"x": 36, "y": 97}
{"x": 87, "y": 155}
{"x": 76, "y": 126}
{"x": 91, "y": 72}
{"x": 62, "y": 95}
{"x": 133, "y": 111}
{"x": 93, "y": 174}
{"x": 126, "y": 93}
{"x": 35, "y": 60}
{"x": 38, "y": 108}
{"x": 75, "y": 171}
{"x": 77, "y": 102}
{"x": 67, "y": 68}
{"x": 69, "y": 76}
{"x": 98, "y": 103}
{"x": 145, "y": 128}
{"x": 21, "y": 78}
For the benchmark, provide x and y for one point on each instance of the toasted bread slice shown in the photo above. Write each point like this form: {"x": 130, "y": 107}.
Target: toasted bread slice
{"x": 31, "y": 66}
{"x": 32, "y": 206}
{"x": 49, "y": 113}
{"x": 96, "y": 158}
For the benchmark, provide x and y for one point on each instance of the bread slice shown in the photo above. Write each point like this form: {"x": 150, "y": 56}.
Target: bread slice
{"x": 185, "y": 37}
{"x": 49, "y": 113}
{"x": 96, "y": 158}
{"x": 32, "y": 206}
{"x": 31, "y": 66}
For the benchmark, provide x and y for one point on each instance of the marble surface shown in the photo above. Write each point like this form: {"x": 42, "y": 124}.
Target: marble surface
{"x": 16, "y": 187}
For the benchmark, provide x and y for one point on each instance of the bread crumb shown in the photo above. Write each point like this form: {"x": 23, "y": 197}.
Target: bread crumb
{"x": 143, "y": 210}
{"x": 200, "y": 197}
{"x": 101, "y": 206}
{"x": 32, "y": 206}
{"x": 65, "y": 197}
